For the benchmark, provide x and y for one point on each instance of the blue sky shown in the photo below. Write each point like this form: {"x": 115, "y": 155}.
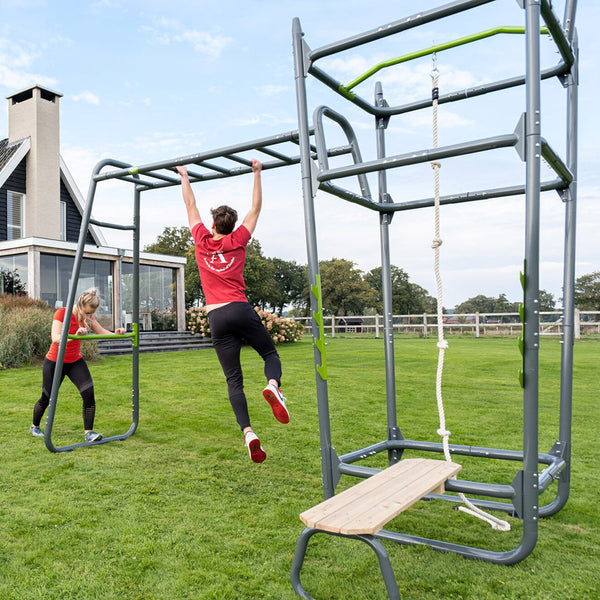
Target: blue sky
{"x": 149, "y": 81}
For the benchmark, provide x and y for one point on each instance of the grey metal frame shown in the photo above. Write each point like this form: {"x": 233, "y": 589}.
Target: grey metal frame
{"x": 279, "y": 150}
{"x": 520, "y": 497}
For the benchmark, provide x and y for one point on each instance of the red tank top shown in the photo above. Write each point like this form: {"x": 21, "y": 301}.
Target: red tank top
{"x": 73, "y": 351}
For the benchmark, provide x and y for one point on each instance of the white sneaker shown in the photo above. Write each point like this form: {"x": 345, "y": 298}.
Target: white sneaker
{"x": 257, "y": 454}
{"x": 274, "y": 397}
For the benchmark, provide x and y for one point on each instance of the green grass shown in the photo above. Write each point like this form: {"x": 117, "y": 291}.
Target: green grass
{"x": 178, "y": 511}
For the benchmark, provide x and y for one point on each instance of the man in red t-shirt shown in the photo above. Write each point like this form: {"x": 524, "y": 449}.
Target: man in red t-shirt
{"x": 221, "y": 255}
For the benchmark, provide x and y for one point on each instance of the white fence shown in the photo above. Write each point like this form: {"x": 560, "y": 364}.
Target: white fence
{"x": 478, "y": 324}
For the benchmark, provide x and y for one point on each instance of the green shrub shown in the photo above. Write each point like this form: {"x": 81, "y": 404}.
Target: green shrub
{"x": 10, "y": 302}
{"x": 26, "y": 335}
{"x": 25, "y": 325}
{"x": 89, "y": 349}
{"x": 163, "y": 320}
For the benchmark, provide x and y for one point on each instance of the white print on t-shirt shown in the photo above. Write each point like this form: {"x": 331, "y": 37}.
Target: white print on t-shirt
{"x": 218, "y": 256}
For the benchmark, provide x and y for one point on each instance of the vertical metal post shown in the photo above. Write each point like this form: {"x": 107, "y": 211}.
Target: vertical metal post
{"x": 62, "y": 346}
{"x": 532, "y": 255}
{"x": 85, "y": 222}
{"x": 135, "y": 356}
{"x": 308, "y": 193}
{"x": 569, "y": 20}
{"x": 566, "y": 372}
{"x": 393, "y": 432}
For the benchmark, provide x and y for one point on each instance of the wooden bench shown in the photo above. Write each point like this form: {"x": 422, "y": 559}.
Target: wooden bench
{"x": 362, "y": 510}
{"x": 369, "y": 505}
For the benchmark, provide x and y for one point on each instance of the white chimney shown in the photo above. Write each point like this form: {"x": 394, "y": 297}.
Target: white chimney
{"x": 34, "y": 113}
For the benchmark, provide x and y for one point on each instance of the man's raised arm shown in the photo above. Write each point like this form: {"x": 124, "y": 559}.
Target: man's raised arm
{"x": 189, "y": 198}
{"x": 251, "y": 218}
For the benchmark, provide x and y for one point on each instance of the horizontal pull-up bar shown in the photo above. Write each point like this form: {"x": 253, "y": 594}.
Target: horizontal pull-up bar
{"x": 392, "y": 207}
{"x": 433, "y": 49}
{"x": 405, "y": 24}
{"x": 150, "y": 169}
{"x": 109, "y": 336}
{"x": 413, "y": 158}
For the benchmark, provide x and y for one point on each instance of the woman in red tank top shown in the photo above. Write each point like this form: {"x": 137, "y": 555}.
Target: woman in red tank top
{"x": 81, "y": 322}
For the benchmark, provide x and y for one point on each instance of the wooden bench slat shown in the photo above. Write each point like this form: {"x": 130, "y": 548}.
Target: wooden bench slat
{"x": 361, "y": 500}
{"x": 367, "y": 506}
{"x": 366, "y": 486}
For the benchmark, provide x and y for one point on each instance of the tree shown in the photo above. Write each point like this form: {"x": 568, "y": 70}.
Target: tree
{"x": 407, "y": 298}
{"x": 587, "y": 291}
{"x": 10, "y": 283}
{"x": 547, "y": 301}
{"x": 178, "y": 241}
{"x": 288, "y": 284}
{"x": 423, "y": 302}
{"x": 479, "y": 303}
{"x": 259, "y": 273}
{"x": 344, "y": 289}
{"x": 173, "y": 241}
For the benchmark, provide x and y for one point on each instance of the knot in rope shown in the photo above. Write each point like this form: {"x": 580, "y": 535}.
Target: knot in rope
{"x": 443, "y": 432}
{"x": 442, "y": 345}
{"x": 436, "y": 243}
{"x": 435, "y": 164}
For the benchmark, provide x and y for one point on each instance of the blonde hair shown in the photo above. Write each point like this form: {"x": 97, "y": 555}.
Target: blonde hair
{"x": 88, "y": 298}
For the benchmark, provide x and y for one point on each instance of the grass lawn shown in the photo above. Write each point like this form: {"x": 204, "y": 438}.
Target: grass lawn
{"x": 178, "y": 511}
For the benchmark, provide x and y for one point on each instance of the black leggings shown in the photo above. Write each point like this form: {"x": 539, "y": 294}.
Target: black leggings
{"x": 229, "y": 326}
{"x": 79, "y": 374}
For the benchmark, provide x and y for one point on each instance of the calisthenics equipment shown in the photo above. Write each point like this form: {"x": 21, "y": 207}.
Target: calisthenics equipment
{"x": 521, "y": 497}
{"x": 279, "y": 150}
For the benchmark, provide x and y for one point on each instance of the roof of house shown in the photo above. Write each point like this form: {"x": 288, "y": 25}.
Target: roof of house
{"x": 12, "y": 153}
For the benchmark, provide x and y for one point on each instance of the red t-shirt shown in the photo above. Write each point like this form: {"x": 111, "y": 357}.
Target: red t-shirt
{"x": 73, "y": 351}
{"x": 221, "y": 264}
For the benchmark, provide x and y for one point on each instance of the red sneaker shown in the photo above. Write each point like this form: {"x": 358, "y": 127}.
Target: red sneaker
{"x": 274, "y": 397}
{"x": 257, "y": 454}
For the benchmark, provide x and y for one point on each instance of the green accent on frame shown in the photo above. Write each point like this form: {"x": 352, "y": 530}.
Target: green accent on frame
{"x": 318, "y": 317}
{"x": 433, "y": 49}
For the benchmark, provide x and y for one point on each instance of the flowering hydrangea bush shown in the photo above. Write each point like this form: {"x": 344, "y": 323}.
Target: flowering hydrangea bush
{"x": 196, "y": 321}
{"x": 280, "y": 329}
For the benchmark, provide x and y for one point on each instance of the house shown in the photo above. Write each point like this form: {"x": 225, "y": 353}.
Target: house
{"x": 40, "y": 217}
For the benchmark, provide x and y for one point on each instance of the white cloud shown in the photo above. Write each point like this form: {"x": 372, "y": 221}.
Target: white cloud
{"x": 86, "y": 96}
{"x": 272, "y": 90}
{"x": 16, "y": 80}
{"x": 203, "y": 42}
{"x": 167, "y": 31}
{"x": 15, "y": 62}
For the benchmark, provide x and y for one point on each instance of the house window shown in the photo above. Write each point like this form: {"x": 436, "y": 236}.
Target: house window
{"x": 14, "y": 215}
{"x": 63, "y": 220}
{"x": 13, "y": 274}
{"x": 55, "y": 278}
{"x": 158, "y": 296}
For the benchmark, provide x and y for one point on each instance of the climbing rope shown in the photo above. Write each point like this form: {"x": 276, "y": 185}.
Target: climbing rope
{"x": 442, "y": 343}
